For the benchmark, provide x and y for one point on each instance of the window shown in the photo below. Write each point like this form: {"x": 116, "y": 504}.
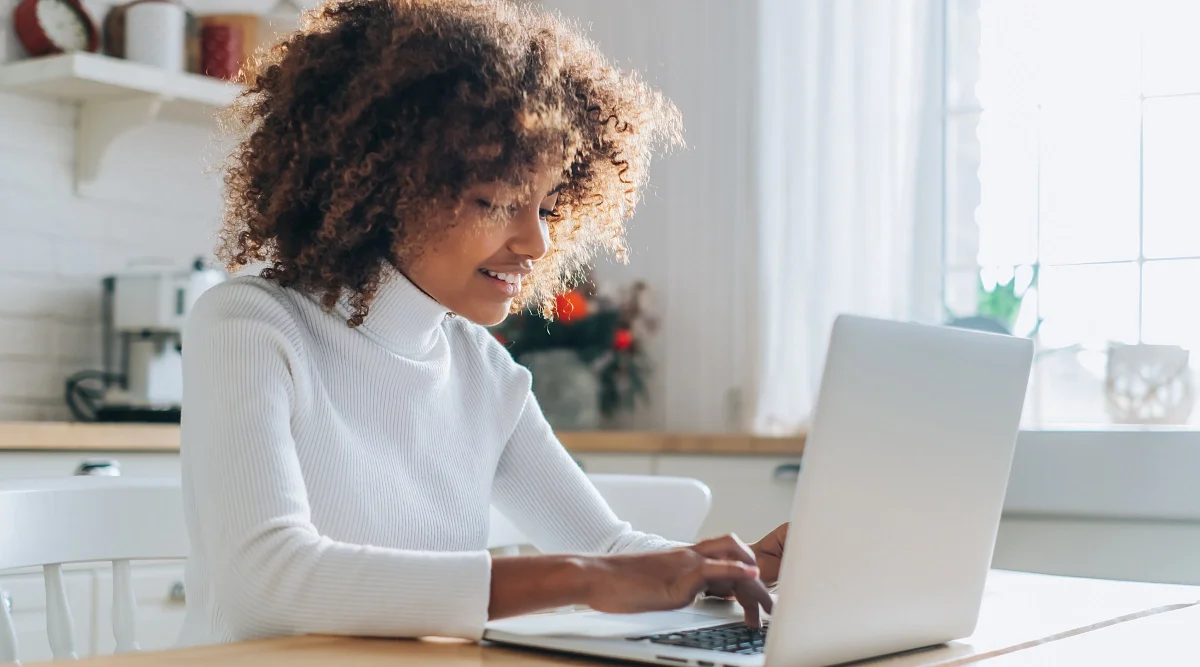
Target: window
{"x": 1072, "y": 211}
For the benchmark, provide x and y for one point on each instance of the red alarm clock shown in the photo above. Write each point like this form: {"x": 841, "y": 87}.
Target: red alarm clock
{"x": 55, "y": 26}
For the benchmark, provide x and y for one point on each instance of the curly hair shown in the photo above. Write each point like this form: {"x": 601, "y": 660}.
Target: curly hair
{"x": 359, "y": 132}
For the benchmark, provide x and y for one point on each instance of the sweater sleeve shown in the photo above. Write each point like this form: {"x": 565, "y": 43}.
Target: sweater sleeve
{"x": 541, "y": 489}
{"x": 272, "y": 572}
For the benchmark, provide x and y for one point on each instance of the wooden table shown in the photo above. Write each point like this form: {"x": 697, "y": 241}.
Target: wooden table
{"x": 1026, "y": 620}
{"x": 1163, "y": 640}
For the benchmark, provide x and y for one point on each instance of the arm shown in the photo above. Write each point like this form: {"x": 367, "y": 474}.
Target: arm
{"x": 542, "y": 490}
{"x": 271, "y": 571}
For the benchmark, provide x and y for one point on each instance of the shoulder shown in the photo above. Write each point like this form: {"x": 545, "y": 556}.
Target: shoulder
{"x": 246, "y": 303}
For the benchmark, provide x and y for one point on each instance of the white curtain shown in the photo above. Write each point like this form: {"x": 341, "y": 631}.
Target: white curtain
{"x": 849, "y": 177}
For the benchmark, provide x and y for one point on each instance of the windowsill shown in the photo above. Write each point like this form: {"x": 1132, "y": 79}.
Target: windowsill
{"x": 1120, "y": 472}
{"x": 1109, "y": 428}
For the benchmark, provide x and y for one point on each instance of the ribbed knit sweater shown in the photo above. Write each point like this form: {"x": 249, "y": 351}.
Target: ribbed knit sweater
{"x": 338, "y": 480}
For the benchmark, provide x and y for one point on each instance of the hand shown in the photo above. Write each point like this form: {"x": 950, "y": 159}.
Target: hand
{"x": 671, "y": 579}
{"x": 768, "y": 554}
{"x": 748, "y": 594}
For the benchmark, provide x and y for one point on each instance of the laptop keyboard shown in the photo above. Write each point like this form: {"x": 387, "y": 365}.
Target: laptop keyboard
{"x": 732, "y": 638}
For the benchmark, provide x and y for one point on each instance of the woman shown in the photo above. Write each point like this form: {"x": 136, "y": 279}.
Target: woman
{"x": 408, "y": 172}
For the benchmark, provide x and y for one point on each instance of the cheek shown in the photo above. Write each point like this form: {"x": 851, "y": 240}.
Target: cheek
{"x": 461, "y": 251}
{"x": 480, "y": 243}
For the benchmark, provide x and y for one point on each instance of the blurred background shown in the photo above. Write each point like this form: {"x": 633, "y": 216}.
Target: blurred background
{"x": 1028, "y": 166}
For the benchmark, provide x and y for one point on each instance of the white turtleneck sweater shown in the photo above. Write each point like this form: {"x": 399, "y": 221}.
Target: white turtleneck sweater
{"x": 338, "y": 480}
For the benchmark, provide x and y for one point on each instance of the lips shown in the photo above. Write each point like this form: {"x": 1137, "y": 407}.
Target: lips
{"x": 513, "y": 279}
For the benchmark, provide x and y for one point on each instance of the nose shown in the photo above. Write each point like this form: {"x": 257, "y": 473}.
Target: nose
{"x": 530, "y": 235}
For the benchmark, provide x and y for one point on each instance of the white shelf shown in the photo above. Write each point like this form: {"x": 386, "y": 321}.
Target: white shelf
{"x": 115, "y": 96}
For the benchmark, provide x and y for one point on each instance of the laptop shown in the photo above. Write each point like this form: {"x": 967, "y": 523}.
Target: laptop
{"x": 893, "y": 522}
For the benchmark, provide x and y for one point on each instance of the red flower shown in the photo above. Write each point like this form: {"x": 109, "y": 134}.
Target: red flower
{"x": 623, "y": 340}
{"x": 500, "y": 337}
{"x": 571, "y": 306}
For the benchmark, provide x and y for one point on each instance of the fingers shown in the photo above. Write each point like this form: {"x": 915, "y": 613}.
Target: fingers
{"x": 717, "y": 570}
{"x": 752, "y": 595}
{"x": 748, "y": 589}
{"x": 756, "y": 591}
{"x": 726, "y": 546}
{"x": 749, "y": 606}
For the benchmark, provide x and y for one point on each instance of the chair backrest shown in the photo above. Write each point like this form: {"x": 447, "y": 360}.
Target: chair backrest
{"x": 672, "y": 507}
{"x": 49, "y": 522}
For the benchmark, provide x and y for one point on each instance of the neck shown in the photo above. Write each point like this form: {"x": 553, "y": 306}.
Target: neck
{"x": 403, "y": 317}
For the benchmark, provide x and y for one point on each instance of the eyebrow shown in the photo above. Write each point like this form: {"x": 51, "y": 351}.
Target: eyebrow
{"x": 557, "y": 189}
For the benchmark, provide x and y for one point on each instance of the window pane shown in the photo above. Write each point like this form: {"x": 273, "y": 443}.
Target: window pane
{"x": 1170, "y": 49}
{"x": 1089, "y": 305}
{"x": 962, "y": 190}
{"x": 1170, "y": 307}
{"x": 1171, "y": 177}
{"x": 1038, "y": 51}
{"x": 962, "y": 53}
{"x": 1008, "y": 52}
{"x": 1089, "y": 183}
{"x": 1008, "y": 178}
{"x": 1088, "y": 50}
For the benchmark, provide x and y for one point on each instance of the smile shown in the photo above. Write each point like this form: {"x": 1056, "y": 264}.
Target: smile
{"x": 510, "y": 278}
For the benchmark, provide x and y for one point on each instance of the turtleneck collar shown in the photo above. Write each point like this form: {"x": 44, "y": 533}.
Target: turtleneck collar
{"x": 402, "y": 317}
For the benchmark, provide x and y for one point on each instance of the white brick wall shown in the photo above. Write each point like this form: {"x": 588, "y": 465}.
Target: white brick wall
{"x": 157, "y": 197}
{"x": 154, "y": 198}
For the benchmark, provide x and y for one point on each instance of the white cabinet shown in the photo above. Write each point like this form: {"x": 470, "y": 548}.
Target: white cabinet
{"x": 28, "y": 595}
{"x": 752, "y": 495}
{"x": 158, "y": 590}
{"x": 14, "y": 464}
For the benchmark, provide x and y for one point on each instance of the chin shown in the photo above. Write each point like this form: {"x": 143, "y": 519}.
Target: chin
{"x": 488, "y": 316}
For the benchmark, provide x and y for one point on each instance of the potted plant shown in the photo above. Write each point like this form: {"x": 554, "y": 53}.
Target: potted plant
{"x": 588, "y": 361}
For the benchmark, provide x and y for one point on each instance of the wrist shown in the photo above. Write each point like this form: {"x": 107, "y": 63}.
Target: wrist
{"x": 579, "y": 577}
{"x": 524, "y": 584}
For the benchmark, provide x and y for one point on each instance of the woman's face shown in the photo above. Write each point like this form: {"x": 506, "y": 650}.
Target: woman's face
{"x": 475, "y": 269}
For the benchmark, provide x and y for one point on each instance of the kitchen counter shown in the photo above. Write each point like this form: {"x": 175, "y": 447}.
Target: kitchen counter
{"x": 76, "y": 437}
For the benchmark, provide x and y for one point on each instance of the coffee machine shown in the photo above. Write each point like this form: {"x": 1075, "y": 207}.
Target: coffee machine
{"x": 143, "y": 313}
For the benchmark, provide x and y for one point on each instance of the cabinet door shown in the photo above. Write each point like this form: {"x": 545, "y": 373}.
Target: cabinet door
{"x": 28, "y": 595}
{"x": 15, "y": 465}
{"x": 751, "y": 494}
{"x": 158, "y": 591}
{"x": 623, "y": 464}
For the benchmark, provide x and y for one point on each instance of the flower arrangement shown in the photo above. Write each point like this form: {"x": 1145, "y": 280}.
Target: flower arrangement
{"x": 605, "y": 332}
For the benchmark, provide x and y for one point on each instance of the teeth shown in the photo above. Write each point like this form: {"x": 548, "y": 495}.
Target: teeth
{"x": 510, "y": 278}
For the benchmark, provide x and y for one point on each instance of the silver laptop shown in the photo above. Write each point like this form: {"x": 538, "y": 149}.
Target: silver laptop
{"x": 893, "y": 522}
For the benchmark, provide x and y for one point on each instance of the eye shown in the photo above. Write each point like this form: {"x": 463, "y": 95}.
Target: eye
{"x": 483, "y": 203}
{"x": 545, "y": 212}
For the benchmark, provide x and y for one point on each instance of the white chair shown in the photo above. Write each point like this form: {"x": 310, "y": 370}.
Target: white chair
{"x": 672, "y": 507}
{"x": 49, "y": 522}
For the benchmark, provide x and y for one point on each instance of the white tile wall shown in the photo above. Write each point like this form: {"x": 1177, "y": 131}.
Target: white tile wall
{"x": 155, "y": 198}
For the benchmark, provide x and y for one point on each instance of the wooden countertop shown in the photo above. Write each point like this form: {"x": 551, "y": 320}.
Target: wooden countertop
{"x": 1023, "y": 615}
{"x": 64, "y": 436}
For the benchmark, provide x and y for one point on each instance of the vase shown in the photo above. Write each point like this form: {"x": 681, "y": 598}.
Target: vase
{"x": 1149, "y": 384}
{"x": 566, "y": 388}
